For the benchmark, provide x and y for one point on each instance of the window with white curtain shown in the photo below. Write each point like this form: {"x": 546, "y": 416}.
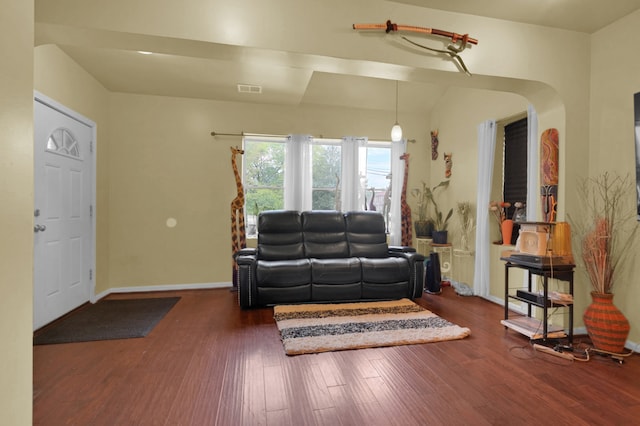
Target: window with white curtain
{"x": 299, "y": 172}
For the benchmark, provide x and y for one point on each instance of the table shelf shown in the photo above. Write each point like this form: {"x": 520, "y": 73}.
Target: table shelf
{"x": 562, "y": 272}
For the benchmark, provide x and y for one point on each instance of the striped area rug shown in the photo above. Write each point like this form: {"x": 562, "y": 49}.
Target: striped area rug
{"x": 312, "y": 328}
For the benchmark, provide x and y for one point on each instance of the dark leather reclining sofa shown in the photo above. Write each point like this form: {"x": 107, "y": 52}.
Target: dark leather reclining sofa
{"x": 325, "y": 256}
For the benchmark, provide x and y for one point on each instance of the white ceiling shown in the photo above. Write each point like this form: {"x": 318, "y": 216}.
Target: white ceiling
{"x": 187, "y": 71}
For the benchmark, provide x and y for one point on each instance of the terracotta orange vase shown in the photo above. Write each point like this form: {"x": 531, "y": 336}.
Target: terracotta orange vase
{"x": 606, "y": 325}
{"x": 506, "y": 229}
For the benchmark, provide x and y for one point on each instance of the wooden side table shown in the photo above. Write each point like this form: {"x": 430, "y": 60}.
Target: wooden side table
{"x": 561, "y": 272}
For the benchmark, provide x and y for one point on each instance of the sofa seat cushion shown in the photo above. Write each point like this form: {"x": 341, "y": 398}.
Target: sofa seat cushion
{"x": 387, "y": 270}
{"x": 283, "y": 281}
{"x": 283, "y": 273}
{"x": 385, "y": 278}
{"x": 336, "y": 271}
{"x": 336, "y": 279}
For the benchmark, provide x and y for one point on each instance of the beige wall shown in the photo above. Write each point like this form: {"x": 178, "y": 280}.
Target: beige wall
{"x": 458, "y": 134}
{"x": 165, "y": 164}
{"x": 614, "y": 80}
{"x": 16, "y": 214}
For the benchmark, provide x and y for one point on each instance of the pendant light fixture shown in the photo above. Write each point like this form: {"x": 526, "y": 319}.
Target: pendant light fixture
{"x": 396, "y": 130}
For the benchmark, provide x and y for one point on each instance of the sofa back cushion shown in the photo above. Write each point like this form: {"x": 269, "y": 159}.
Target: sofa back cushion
{"x": 366, "y": 234}
{"x": 324, "y": 234}
{"x": 280, "y": 235}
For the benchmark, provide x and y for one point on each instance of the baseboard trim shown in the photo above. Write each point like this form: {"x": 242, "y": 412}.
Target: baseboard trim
{"x": 165, "y": 287}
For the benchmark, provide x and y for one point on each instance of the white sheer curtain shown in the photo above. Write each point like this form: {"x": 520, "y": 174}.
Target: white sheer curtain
{"x": 351, "y": 190}
{"x": 297, "y": 173}
{"x": 486, "y": 149}
{"x": 397, "y": 176}
{"x": 533, "y": 164}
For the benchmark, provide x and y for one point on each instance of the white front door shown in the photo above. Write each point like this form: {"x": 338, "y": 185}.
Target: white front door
{"x": 63, "y": 215}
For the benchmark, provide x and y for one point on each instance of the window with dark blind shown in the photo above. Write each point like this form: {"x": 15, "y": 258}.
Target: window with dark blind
{"x": 515, "y": 164}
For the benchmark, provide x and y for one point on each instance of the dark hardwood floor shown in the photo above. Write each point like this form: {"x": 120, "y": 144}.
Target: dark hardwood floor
{"x": 210, "y": 363}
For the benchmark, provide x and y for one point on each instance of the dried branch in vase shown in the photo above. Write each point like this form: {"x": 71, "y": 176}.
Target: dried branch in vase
{"x": 605, "y": 228}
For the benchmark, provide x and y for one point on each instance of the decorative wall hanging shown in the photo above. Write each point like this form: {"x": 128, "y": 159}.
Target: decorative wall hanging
{"x": 460, "y": 41}
{"x": 448, "y": 163}
{"x": 549, "y": 174}
{"x": 434, "y": 145}
{"x": 238, "y": 235}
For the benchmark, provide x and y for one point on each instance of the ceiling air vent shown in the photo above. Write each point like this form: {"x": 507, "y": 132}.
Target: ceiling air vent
{"x": 249, "y": 88}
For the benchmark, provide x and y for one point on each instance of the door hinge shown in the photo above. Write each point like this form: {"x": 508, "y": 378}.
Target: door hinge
{"x": 90, "y": 274}
{"x": 90, "y": 210}
{"x": 91, "y": 147}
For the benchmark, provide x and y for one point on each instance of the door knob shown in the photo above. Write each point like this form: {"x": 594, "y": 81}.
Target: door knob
{"x": 39, "y": 228}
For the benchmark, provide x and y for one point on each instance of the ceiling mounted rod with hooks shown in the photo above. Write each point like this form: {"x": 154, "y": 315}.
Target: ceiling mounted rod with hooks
{"x": 453, "y": 50}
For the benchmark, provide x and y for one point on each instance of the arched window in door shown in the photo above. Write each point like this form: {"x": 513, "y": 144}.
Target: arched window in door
{"x": 61, "y": 141}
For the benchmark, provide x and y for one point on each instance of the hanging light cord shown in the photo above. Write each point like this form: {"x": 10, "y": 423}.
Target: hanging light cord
{"x": 396, "y": 101}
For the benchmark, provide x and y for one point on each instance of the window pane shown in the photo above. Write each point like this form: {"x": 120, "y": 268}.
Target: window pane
{"x": 327, "y": 166}
{"x": 263, "y": 163}
{"x": 258, "y": 200}
{"x": 378, "y": 176}
{"x": 62, "y": 142}
{"x": 263, "y": 178}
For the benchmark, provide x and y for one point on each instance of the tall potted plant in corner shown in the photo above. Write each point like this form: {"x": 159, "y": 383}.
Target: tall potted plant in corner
{"x": 440, "y": 221}
{"x": 604, "y": 233}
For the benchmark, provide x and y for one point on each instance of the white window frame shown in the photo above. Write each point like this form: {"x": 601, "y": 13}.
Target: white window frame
{"x": 303, "y": 201}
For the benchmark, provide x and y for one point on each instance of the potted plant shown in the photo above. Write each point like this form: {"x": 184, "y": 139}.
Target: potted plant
{"x": 424, "y": 223}
{"x": 604, "y": 233}
{"x": 440, "y": 221}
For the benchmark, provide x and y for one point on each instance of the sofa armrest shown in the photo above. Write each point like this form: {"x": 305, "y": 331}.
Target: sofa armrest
{"x": 247, "y": 251}
{"x": 416, "y": 266}
{"x": 247, "y": 286}
{"x": 412, "y": 256}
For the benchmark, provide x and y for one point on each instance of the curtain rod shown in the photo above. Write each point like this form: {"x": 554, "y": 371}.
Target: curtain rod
{"x": 242, "y": 134}
{"x": 245, "y": 134}
{"x": 261, "y": 134}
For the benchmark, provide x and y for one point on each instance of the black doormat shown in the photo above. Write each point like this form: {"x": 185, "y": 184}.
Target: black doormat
{"x": 107, "y": 320}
